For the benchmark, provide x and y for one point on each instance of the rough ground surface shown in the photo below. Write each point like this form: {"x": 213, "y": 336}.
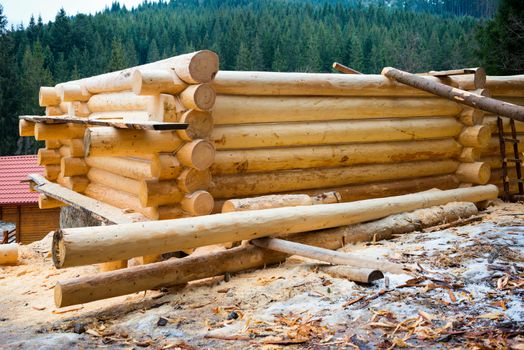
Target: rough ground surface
{"x": 468, "y": 292}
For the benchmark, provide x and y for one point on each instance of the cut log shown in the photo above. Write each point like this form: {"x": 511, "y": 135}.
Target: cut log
{"x": 52, "y": 144}
{"x": 251, "y": 184}
{"x": 153, "y": 193}
{"x": 512, "y": 85}
{"x": 26, "y": 128}
{"x": 192, "y": 180}
{"x": 157, "y": 81}
{"x": 260, "y": 160}
{"x": 200, "y": 125}
{"x": 471, "y": 116}
{"x": 45, "y": 202}
{"x": 78, "y": 109}
{"x": 197, "y": 67}
{"x": 197, "y": 203}
{"x": 119, "y": 199}
{"x": 344, "y": 69}
{"x": 72, "y": 92}
{"x": 51, "y": 171}
{"x": 333, "y": 132}
{"x": 484, "y": 103}
{"x": 58, "y": 131}
{"x": 325, "y": 255}
{"x": 72, "y": 166}
{"x": 134, "y": 168}
{"x": 48, "y": 96}
{"x": 198, "y": 154}
{"x": 165, "y": 167}
{"x": 200, "y": 97}
{"x": 469, "y": 155}
{"x": 314, "y": 84}
{"x": 230, "y": 109}
{"x": 114, "y": 181}
{"x": 362, "y": 275}
{"x": 74, "y": 183}
{"x": 119, "y": 101}
{"x": 179, "y": 271}
{"x": 164, "y": 108}
{"x": 475, "y": 136}
{"x": 81, "y": 246}
{"x": 48, "y": 156}
{"x": 8, "y": 254}
{"x": 53, "y": 111}
{"x": 466, "y": 79}
{"x": 108, "y": 141}
{"x": 475, "y": 173}
{"x": 279, "y": 201}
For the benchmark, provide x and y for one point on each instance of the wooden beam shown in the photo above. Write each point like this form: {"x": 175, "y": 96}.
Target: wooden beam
{"x": 344, "y": 69}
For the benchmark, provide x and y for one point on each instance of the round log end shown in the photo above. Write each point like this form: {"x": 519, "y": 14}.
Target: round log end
{"x": 58, "y": 296}
{"x": 375, "y": 275}
{"x": 198, "y": 203}
{"x": 204, "y": 97}
{"x": 58, "y": 249}
{"x": 202, "y": 68}
{"x": 48, "y": 96}
{"x": 477, "y": 173}
{"x": 192, "y": 180}
{"x": 26, "y": 128}
{"x": 200, "y": 125}
{"x": 198, "y": 154}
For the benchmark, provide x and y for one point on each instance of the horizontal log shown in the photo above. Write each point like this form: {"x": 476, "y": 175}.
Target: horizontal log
{"x": 260, "y": 160}
{"x": 52, "y": 144}
{"x": 72, "y": 166}
{"x": 475, "y": 136}
{"x": 333, "y": 132}
{"x": 278, "y": 201}
{"x": 165, "y": 166}
{"x": 491, "y": 122}
{"x": 134, "y": 168}
{"x": 493, "y": 147}
{"x": 312, "y": 84}
{"x": 78, "y": 109}
{"x": 179, "y": 271}
{"x": 153, "y": 193}
{"x": 200, "y": 125}
{"x": 469, "y": 155}
{"x": 470, "y": 116}
{"x": 230, "y": 109}
{"x": 8, "y": 254}
{"x": 51, "y": 171}
{"x": 45, "y": 202}
{"x": 243, "y": 185}
{"x": 114, "y": 181}
{"x": 53, "y": 111}
{"x": 75, "y": 147}
{"x": 200, "y": 97}
{"x": 58, "y": 131}
{"x": 119, "y": 101}
{"x": 191, "y": 180}
{"x": 512, "y": 85}
{"x": 197, "y": 154}
{"x": 48, "y": 96}
{"x": 72, "y": 92}
{"x": 81, "y": 246}
{"x": 108, "y": 141}
{"x": 157, "y": 81}
{"x": 476, "y": 173}
{"x": 197, "y": 203}
{"x": 48, "y": 156}
{"x": 356, "y": 274}
{"x": 164, "y": 108}
{"x": 128, "y": 116}
{"x": 74, "y": 183}
{"x": 26, "y": 128}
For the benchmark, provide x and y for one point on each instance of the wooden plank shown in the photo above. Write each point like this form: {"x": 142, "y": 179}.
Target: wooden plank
{"x": 102, "y": 211}
{"x": 116, "y": 123}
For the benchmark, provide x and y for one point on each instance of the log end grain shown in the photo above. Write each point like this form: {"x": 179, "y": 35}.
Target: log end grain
{"x": 200, "y": 125}
{"x": 198, "y": 154}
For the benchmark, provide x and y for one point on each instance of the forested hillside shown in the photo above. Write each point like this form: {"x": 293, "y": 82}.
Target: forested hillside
{"x": 248, "y": 35}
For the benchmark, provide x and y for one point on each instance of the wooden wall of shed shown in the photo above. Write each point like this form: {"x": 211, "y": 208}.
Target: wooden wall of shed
{"x": 32, "y": 223}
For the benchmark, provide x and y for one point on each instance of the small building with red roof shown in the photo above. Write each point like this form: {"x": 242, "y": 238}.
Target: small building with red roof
{"x": 18, "y": 205}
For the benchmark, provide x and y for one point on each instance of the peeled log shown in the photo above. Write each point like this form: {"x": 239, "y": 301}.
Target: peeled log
{"x": 164, "y": 108}
{"x": 512, "y": 85}
{"x": 333, "y": 132}
{"x": 315, "y": 84}
{"x": 230, "y": 109}
{"x": 475, "y": 173}
{"x": 469, "y": 155}
{"x": 357, "y": 274}
{"x": 119, "y": 199}
{"x": 114, "y": 181}
{"x": 134, "y": 168}
{"x": 470, "y": 116}
{"x": 51, "y": 171}
{"x": 475, "y": 136}
{"x": 493, "y": 146}
{"x": 200, "y": 125}
{"x": 192, "y": 180}
{"x": 82, "y": 246}
{"x": 123, "y": 115}
{"x": 48, "y": 96}
{"x": 119, "y": 101}
{"x": 108, "y": 141}
{"x": 491, "y": 121}
{"x": 242, "y": 185}
{"x": 72, "y": 92}
{"x": 157, "y": 81}
{"x": 8, "y": 253}
{"x": 197, "y": 203}
{"x": 197, "y": 67}
{"x": 52, "y": 144}
{"x": 260, "y": 160}
{"x": 165, "y": 167}
{"x": 198, "y": 154}
{"x": 26, "y": 128}
{"x": 45, "y": 202}
{"x": 153, "y": 193}
{"x": 78, "y": 109}
{"x": 71, "y": 166}
{"x": 48, "y": 156}
{"x": 58, "y": 131}
{"x": 51, "y": 111}
{"x": 200, "y": 97}
{"x": 278, "y": 201}
{"x": 74, "y": 183}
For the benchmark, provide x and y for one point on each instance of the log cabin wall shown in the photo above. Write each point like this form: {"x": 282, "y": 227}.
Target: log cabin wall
{"x": 32, "y": 223}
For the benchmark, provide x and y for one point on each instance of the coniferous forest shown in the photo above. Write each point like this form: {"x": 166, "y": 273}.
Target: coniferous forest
{"x": 277, "y": 35}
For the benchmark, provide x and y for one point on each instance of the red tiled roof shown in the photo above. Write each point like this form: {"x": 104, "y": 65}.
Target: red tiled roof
{"x": 13, "y": 170}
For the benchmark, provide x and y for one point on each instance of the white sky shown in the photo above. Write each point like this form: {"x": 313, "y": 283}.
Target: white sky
{"x": 19, "y": 11}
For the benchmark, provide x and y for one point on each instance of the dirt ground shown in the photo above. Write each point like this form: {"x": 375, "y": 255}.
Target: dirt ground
{"x": 468, "y": 293}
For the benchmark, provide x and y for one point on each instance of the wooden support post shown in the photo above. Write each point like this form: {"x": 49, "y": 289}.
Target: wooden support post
{"x": 484, "y": 103}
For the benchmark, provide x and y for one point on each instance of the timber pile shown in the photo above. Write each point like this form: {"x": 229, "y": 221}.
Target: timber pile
{"x": 160, "y": 174}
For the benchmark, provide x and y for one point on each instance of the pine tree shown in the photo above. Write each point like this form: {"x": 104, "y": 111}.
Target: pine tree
{"x": 153, "y": 54}
{"x": 243, "y": 61}
{"x": 118, "y": 60}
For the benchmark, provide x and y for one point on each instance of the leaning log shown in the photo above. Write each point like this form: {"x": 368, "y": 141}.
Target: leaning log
{"x": 179, "y": 271}
{"x": 82, "y": 246}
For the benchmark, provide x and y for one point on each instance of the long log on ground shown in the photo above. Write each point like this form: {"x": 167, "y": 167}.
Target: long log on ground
{"x": 82, "y": 246}
{"x": 390, "y": 188}
{"x": 325, "y": 255}
{"x": 312, "y": 84}
{"x": 134, "y": 168}
{"x": 333, "y": 132}
{"x": 484, "y": 103}
{"x": 512, "y": 85}
{"x": 8, "y": 253}
{"x": 260, "y": 160}
{"x": 278, "y": 201}
{"x": 58, "y": 131}
{"x": 251, "y": 184}
{"x": 362, "y": 275}
{"x": 231, "y": 109}
{"x": 197, "y": 67}
{"x": 178, "y": 271}
{"x": 108, "y": 141}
